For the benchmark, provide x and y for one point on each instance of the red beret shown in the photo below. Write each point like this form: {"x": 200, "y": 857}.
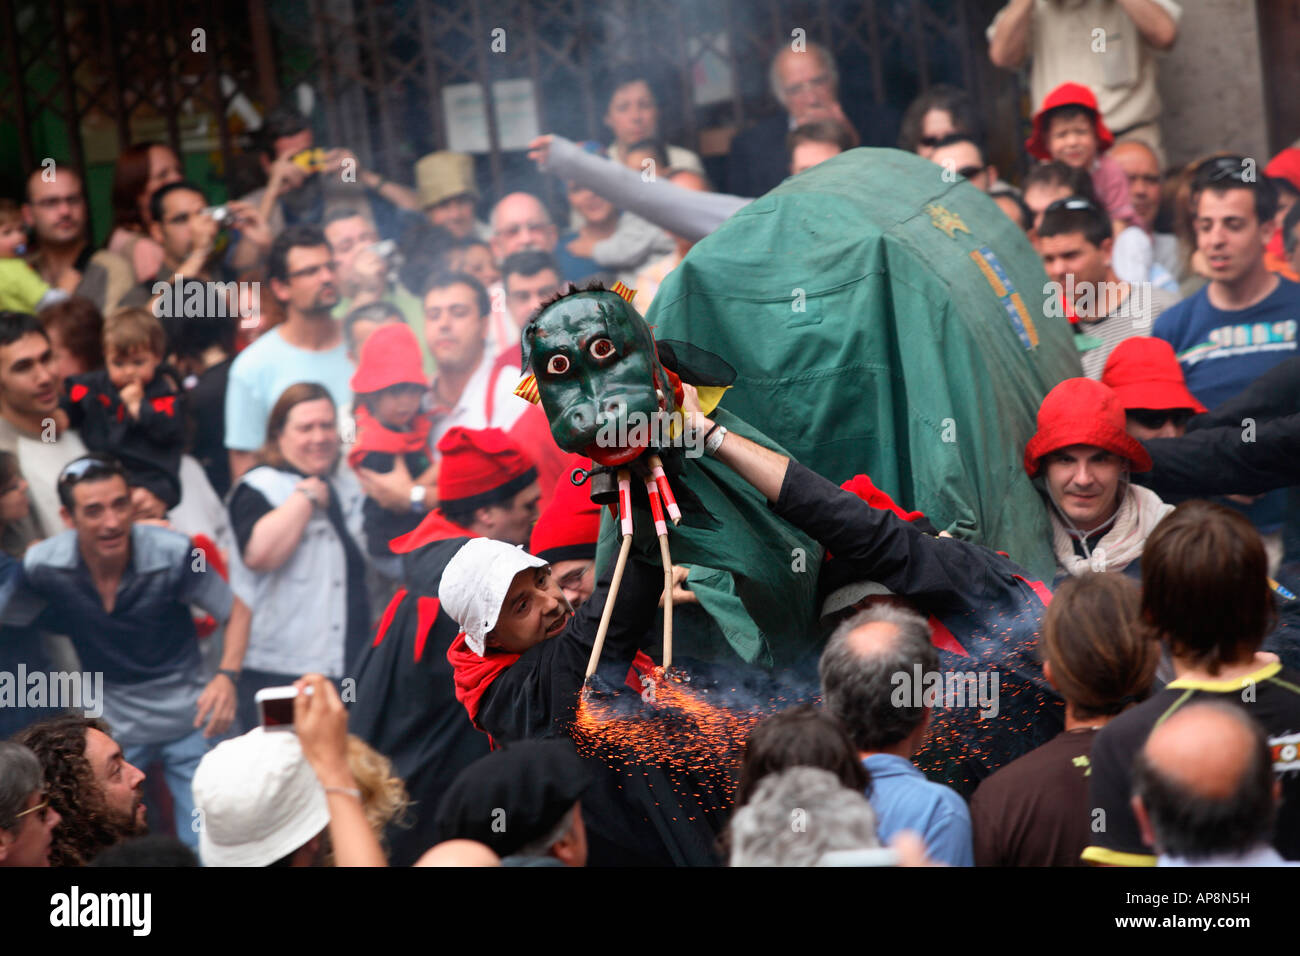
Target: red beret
{"x": 481, "y": 468}
{"x": 567, "y": 530}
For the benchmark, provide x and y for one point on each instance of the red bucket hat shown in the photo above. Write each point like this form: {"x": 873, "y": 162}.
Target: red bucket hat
{"x": 1144, "y": 373}
{"x": 1080, "y": 411}
{"x": 1285, "y": 165}
{"x": 567, "y": 530}
{"x": 1068, "y": 94}
{"x": 481, "y": 467}
{"x": 390, "y": 356}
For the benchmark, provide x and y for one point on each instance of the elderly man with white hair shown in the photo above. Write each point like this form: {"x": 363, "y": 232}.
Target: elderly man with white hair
{"x": 805, "y": 82}
{"x": 802, "y": 816}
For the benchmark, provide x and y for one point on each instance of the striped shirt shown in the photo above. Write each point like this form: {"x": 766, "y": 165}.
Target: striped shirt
{"x": 1134, "y": 316}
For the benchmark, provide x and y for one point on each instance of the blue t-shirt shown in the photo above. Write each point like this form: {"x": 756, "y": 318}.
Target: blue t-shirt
{"x": 1222, "y": 352}
{"x": 261, "y": 373}
{"x": 905, "y": 800}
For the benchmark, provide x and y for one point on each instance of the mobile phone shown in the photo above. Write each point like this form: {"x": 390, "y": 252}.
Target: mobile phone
{"x": 276, "y": 706}
{"x": 311, "y": 160}
{"x": 220, "y": 214}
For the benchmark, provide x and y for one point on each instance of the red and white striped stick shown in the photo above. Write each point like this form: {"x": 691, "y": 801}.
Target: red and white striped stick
{"x": 665, "y": 490}
{"x": 656, "y": 507}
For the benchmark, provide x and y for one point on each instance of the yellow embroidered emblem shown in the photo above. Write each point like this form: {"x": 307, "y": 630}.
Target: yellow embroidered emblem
{"x": 943, "y": 219}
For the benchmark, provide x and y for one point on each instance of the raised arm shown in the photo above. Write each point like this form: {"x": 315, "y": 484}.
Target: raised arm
{"x": 1232, "y": 459}
{"x": 1153, "y": 21}
{"x": 683, "y": 212}
{"x": 1009, "y": 40}
{"x": 882, "y": 546}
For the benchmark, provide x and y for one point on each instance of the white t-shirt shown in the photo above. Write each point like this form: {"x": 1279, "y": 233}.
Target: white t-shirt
{"x": 40, "y": 463}
{"x": 261, "y": 373}
{"x": 470, "y": 411}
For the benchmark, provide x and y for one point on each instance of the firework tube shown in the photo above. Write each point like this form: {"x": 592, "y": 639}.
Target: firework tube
{"x": 608, "y": 612}
{"x": 656, "y": 507}
{"x": 625, "y": 501}
{"x": 625, "y": 518}
{"x": 661, "y": 529}
{"x": 665, "y": 490}
{"x": 668, "y": 599}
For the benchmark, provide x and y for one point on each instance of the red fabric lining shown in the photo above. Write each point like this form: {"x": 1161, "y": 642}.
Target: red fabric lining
{"x": 426, "y": 614}
{"x": 386, "y": 621}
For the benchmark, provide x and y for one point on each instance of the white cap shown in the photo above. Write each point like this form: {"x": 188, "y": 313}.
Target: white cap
{"x": 475, "y": 582}
{"x": 259, "y": 800}
{"x": 849, "y": 595}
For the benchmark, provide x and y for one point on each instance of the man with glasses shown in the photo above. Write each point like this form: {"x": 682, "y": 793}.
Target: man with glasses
{"x": 806, "y": 84}
{"x": 55, "y": 212}
{"x": 519, "y": 222}
{"x": 1244, "y": 321}
{"x": 123, "y": 591}
{"x": 1075, "y": 242}
{"x": 27, "y": 820}
{"x": 307, "y": 347}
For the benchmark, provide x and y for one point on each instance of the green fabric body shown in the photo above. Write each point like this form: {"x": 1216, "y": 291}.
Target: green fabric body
{"x": 754, "y": 574}
{"x": 867, "y": 340}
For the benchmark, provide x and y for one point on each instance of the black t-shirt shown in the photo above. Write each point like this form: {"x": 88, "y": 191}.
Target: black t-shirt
{"x": 1271, "y": 695}
{"x": 1034, "y": 811}
{"x": 207, "y": 403}
{"x": 248, "y": 505}
{"x": 382, "y": 525}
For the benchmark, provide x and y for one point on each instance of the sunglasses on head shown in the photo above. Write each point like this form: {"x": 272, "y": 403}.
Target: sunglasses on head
{"x": 1222, "y": 168}
{"x": 88, "y": 467}
{"x": 1072, "y": 203}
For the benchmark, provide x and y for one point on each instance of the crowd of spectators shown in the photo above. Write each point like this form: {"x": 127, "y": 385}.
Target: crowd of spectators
{"x": 278, "y": 443}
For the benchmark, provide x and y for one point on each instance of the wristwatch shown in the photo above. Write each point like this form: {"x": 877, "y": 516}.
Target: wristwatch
{"x": 417, "y": 498}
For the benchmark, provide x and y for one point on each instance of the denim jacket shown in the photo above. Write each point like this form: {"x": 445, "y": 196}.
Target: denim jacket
{"x": 300, "y": 609}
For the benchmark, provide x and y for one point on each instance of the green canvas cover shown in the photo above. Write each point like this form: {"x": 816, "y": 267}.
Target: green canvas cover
{"x": 886, "y": 321}
{"x": 755, "y": 576}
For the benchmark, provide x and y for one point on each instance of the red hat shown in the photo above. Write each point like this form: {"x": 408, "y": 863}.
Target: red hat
{"x": 481, "y": 468}
{"x": 1285, "y": 165}
{"x": 1144, "y": 373}
{"x": 1080, "y": 411}
{"x": 1068, "y": 94}
{"x": 390, "y": 356}
{"x": 567, "y": 530}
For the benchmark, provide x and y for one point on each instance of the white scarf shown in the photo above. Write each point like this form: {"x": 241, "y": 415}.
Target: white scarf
{"x": 1140, "y": 510}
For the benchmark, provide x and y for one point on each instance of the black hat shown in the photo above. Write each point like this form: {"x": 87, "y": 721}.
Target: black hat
{"x": 513, "y": 796}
